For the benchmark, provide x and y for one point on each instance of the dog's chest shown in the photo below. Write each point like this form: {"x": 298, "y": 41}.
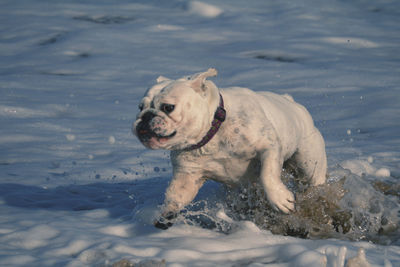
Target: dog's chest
{"x": 230, "y": 156}
{"x": 219, "y": 163}
{"x": 231, "y": 170}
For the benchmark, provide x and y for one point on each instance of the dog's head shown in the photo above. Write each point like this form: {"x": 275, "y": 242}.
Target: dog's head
{"x": 175, "y": 114}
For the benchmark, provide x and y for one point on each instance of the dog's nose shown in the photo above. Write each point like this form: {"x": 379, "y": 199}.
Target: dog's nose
{"x": 143, "y": 128}
{"x": 147, "y": 117}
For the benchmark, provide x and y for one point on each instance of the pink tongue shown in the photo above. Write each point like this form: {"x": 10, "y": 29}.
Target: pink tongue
{"x": 162, "y": 139}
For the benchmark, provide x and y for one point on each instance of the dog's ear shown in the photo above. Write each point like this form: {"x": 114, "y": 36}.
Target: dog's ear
{"x": 198, "y": 79}
{"x": 161, "y": 79}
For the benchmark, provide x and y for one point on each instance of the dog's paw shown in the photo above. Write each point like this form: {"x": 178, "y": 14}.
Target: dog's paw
{"x": 281, "y": 199}
{"x": 162, "y": 225}
{"x": 165, "y": 221}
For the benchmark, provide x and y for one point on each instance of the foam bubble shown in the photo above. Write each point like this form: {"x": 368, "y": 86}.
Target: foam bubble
{"x": 204, "y": 9}
{"x": 117, "y": 230}
{"x": 111, "y": 140}
{"x": 70, "y": 137}
{"x": 382, "y": 172}
{"x": 359, "y": 167}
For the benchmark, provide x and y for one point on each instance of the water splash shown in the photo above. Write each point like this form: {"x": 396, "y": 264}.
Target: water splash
{"x": 347, "y": 207}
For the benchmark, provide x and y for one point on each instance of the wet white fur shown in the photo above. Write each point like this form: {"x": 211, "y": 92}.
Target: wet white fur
{"x": 261, "y": 131}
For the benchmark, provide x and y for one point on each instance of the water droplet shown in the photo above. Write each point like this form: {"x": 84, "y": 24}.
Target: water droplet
{"x": 111, "y": 140}
{"x": 70, "y": 137}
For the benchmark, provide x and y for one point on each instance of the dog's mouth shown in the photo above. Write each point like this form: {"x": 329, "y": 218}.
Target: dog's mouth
{"x": 147, "y": 133}
{"x": 151, "y": 139}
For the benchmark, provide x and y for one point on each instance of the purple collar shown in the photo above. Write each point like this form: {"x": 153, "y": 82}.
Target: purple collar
{"x": 219, "y": 118}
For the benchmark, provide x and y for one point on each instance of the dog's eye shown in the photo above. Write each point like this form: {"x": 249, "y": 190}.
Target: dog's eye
{"x": 167, "y": 108}
{"x": 141, "y": 106}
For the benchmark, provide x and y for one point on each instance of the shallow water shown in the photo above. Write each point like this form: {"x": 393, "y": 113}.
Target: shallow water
{"x": 77, "y": 189}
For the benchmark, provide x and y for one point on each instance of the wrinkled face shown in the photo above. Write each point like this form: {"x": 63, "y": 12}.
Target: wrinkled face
{"x": 172, "y": 116}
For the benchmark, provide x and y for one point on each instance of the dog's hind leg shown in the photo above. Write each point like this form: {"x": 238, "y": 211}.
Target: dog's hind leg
{"x": 311, "y": 158}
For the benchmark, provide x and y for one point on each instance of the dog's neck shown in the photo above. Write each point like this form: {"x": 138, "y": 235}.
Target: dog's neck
{"x": 219, "y": 118}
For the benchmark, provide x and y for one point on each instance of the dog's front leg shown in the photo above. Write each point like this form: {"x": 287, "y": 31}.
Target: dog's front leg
{"x": 181, "y": 191}
{"x": 277, "y": 193}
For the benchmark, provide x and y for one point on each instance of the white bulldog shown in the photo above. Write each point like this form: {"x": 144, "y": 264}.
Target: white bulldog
{"x": 229, "y": 136}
